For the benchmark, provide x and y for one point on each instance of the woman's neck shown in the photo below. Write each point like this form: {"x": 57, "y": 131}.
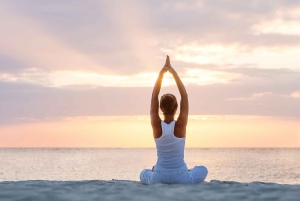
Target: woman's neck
{"x": 168, "y": 118}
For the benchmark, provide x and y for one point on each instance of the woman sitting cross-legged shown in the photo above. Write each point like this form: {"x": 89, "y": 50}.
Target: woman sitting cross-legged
{"x": 169, "y": 136}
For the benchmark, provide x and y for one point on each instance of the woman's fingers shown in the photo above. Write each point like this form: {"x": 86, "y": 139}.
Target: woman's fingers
{"x": 168, "y": 61}
{"x": 166, "y": 68}
{"x": 166, "y": 64}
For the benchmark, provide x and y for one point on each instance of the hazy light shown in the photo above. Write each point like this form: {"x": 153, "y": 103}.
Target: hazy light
{"x": 222, "y": 55}
{"x": 201, "y": 54}
{"x": 205, "y": 77}
{"x": 146, "y": 79}
{"x": 135, "y": 131}
{"x": 277, "y": 26}
{"x": 252, "y": 97}
{"x": 296, "y": 94}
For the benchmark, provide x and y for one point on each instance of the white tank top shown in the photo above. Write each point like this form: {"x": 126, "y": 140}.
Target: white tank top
{"x": 170, "y": 149}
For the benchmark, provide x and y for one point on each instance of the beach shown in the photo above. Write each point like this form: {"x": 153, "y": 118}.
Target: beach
{"x": 133, "y": 190}
{"x": 96, "y": 94}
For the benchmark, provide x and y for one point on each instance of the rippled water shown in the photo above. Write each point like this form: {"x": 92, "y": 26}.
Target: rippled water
{"x": 241, "y": 165}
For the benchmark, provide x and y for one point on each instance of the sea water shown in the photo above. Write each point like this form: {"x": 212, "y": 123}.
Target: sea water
{"x": 237, "y": 164}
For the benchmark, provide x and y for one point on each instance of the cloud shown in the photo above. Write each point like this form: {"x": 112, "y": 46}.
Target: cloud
{"x": 146, "y": 79}
{"x": 253, "y": 97}
{"x": 295, "y": 94}
{"x": 60, "y": 59}
{"x": 29, "y": 43}
{"x": 11, "y": 64}
{"x": 277, "y": 27}
{"x": 282, "y": 22}
{"x": 134, "y": 36}
{"x": 71, "y": 37}
{"x": 257, "y": 92}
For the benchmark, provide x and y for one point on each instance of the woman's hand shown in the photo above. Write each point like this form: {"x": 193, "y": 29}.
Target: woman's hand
{"x": 168, "y": 65}
{"x": 164, "y": 70}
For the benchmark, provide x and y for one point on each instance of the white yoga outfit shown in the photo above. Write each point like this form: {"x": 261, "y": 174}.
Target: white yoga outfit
{"x": 170, "y": 167}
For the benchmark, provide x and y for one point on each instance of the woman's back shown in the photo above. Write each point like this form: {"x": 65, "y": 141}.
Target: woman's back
{"x": 170, "y": 149}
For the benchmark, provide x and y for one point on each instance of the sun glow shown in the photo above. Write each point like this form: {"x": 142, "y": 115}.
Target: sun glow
{"x": 135, "y": 131}
{"x": 201, "y": 54}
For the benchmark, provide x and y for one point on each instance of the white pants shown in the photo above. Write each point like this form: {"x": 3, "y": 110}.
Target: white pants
{"x": 176, "y": 176}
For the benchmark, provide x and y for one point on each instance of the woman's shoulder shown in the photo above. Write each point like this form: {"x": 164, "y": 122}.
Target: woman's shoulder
{"x": 179, "y": 129}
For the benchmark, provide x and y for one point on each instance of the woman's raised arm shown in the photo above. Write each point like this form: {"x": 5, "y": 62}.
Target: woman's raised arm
{"x": 184, "y": 103}
{"x": 155, "y": 119}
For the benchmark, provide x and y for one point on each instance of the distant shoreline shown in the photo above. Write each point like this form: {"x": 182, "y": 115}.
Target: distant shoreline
{"x": 147, "y": 148}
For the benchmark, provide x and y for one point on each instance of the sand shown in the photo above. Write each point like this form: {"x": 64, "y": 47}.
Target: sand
{"x": 133, "y": 190}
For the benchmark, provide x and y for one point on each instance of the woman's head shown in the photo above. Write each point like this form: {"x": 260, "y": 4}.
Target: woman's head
{"x": 168, "y": 104}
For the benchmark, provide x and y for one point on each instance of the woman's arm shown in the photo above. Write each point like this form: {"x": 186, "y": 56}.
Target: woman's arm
{"x": 184, "y": 103}
{"x": 155, "y": 119}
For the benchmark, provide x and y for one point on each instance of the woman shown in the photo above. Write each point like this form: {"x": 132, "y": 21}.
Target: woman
{"x": 169, "y": 136}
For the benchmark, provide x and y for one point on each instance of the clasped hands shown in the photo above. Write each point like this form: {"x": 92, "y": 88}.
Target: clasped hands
{"x": 167, "y": 66}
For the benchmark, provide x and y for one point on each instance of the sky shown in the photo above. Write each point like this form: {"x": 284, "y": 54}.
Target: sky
{"x": 80, "y": 73}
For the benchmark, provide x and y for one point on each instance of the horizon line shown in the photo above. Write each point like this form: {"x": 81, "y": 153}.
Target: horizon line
{"x": 147, "y": 148}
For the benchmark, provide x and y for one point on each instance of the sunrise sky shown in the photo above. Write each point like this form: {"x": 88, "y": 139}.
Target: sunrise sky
{"x": 80, "y": 73}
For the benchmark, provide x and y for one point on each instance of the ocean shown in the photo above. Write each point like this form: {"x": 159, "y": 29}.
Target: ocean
{"x": 278, "y": 165}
